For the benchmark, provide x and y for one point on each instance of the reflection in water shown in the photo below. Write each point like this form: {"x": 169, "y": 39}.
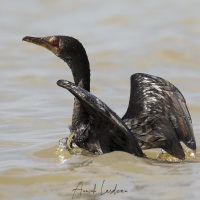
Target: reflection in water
{"x": 155, "y": 37}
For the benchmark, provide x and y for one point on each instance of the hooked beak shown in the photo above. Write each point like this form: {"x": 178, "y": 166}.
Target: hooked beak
{"x": 42, "y": 41}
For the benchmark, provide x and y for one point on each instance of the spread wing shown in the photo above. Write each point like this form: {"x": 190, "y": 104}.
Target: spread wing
{"x": 105, "y": 127}
{"x": 158, "y": 115}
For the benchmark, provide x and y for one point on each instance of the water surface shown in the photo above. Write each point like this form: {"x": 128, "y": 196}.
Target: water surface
{"x": 121, "y": 38}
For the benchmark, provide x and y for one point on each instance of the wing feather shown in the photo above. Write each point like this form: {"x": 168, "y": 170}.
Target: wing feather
{"x": 158, "y": 115}
{"x": 105, "y": 127}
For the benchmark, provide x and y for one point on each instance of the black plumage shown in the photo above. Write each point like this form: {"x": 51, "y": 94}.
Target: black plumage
{"x": 157, "y": 114}
{"x": 105, "y": 131}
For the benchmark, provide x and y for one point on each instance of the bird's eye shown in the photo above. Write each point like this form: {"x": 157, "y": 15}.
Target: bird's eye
{"x": 55, "y": 42}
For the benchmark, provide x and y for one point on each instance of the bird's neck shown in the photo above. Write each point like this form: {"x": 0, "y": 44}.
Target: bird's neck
{"x": 81, "y": 74}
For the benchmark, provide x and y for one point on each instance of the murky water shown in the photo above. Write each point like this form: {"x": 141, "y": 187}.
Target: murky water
{"x": 121, "y": 38}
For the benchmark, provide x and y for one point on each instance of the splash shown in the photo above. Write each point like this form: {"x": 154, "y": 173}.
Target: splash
{"x": 66, "y": 149}
{"x": 190, "y": 155}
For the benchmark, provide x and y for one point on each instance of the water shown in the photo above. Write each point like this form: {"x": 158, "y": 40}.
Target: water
{"x": 121, "y": 38}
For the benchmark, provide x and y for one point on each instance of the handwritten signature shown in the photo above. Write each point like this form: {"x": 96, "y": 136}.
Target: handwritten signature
{"x": 79, "y": 190}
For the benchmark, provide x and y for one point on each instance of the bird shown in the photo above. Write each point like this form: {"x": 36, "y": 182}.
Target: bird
{"x": 157, "y": 115}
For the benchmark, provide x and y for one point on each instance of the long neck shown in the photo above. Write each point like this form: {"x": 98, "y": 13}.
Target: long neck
{"x": 81, "y": 74}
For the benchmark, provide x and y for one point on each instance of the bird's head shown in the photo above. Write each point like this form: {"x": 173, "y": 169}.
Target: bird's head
{"x": 65, "y": 47}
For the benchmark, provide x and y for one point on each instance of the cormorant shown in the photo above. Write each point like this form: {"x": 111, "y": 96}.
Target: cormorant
{"x": 157, "y": 114}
